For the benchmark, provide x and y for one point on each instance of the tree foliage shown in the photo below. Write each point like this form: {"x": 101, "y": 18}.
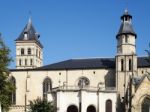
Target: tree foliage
{"x": 41, "y": 105}
{"x": 6, "y": 87}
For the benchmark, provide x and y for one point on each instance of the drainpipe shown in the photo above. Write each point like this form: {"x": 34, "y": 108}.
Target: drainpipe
{"x": 98, "y": 86}
{"x": 80, "y": 100}
{"x": 98, "y": 100}
{"x": 26, "y": 94}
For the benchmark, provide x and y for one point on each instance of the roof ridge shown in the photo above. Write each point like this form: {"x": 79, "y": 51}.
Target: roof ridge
{"x": 91, "y": 58}
{"x": 144, "y": 56}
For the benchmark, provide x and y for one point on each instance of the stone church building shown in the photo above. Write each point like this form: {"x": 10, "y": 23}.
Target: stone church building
{"x": 117, "y": 84}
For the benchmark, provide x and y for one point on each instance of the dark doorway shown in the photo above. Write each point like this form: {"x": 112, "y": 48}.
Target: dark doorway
{"x": 91, "y": 108}
{"x": 72, "y": 108}
{"x": 108, "y": 106}
{"x": 146, "y": 105}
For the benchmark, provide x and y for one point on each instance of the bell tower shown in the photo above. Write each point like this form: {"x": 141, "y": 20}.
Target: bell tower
{"x": 29, "y": 52}
{"x": 126, "y": 59}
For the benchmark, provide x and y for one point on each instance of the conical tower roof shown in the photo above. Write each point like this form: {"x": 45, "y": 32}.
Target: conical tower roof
{"x": 126, "y": 25}
{"x": 32, "y": 35}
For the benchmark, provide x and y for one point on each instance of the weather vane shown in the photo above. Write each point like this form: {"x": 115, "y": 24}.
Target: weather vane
{"x": 126, "y": 4}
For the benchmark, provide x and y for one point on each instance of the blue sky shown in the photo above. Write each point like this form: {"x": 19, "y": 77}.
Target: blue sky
{"x": 74, "y": 28}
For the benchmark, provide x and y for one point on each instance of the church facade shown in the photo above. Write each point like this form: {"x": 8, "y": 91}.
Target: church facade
{"x": 119, "y": 84}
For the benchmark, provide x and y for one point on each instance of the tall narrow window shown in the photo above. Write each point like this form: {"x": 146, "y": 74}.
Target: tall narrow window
{"x": 122, "y": 65}
{"x": 130, "y": 65}
{"x": 25, "y": 62}
{"x": 108, "y": 106}
{"x": 126, "y": 38}
{"x": 20, "y": 62}
{"x": 13, "y": 94}
{"x": 37, "y": 52}
{"x": 22, "y": 51}
{"x": 29, "y": 51}
{"x": 31, "y": 62}
{"x": 47, "y": 86}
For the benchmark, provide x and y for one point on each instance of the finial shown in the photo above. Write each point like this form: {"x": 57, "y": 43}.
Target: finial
{"x": 126, "y": 16}
{"x": 30, "y": 20}
{"x": 29, "y": 23}
{"x": 30, "y": 14}
{"x": 126, "y": 11}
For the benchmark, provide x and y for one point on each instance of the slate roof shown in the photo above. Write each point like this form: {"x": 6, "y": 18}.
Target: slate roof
{"x": 126, "y": 26}
{"x": 90, "y": 63}
{"x": 139, "y": 79}
{"x": 143, "y": 62}
{"x": 32, "y": 34}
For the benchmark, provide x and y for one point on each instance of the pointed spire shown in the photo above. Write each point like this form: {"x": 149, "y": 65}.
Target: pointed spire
{"x": 30, "y": 18}
{"x": 29, "y": 24}
{"x": 29, "y": 33}
{"x": 30, "y": 21}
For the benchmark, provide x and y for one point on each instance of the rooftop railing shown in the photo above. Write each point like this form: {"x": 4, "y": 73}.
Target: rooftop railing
{"x": 87, "y": 88}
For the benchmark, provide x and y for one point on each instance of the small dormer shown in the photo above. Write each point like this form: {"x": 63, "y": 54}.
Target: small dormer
{"x": 25, "y": 35}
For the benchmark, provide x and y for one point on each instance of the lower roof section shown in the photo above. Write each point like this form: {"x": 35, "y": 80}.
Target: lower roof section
{"x": 90, "y": 63}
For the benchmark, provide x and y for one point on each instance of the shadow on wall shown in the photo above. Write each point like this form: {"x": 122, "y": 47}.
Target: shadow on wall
{"x": 120, "y": 105}
{"x": 108, "y": 63}
{"x": 110, "y": 79}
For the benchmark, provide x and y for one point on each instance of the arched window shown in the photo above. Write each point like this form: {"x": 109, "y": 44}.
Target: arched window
{"x": 22, "y": 51}
{"x": 13, "y": 94}
{"x": 29, "y": 51}
{"x": 122, "y": 65}
{"x": 130, "y": 65}
{"x": 83, "y": 82}
{"x": 146, "y": 105}
{"x": 91, "y": 108}
{"x": 108, "y": 106}
{"x": 47, "y": 86}
{"x": 72, "y": 108}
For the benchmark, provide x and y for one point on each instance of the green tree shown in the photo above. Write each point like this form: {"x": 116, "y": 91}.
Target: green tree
{"x": 6, "y": 87}
{"x": 41, "y": 105}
